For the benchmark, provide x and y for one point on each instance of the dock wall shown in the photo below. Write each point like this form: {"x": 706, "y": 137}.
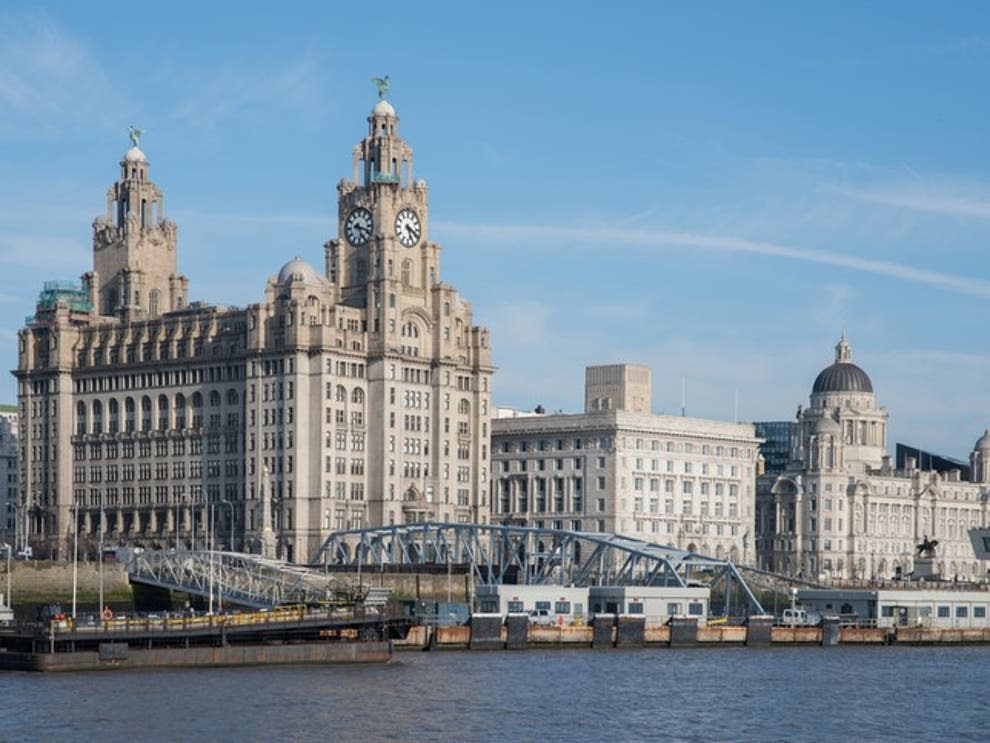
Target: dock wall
{"x": 613, "y": 632}
{"x": 116, "y": 657}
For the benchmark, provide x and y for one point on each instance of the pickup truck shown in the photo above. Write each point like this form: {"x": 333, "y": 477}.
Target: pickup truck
{"x": 541, "y": 617}
{"x": 799, "y": 618}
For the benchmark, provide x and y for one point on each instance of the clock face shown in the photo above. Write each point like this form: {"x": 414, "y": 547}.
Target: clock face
{"x": 407, "y": 227}
{"x": 357, "y": 228}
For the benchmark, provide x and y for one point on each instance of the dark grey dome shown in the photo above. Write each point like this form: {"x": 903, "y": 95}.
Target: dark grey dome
{"x": 842, "y": 376}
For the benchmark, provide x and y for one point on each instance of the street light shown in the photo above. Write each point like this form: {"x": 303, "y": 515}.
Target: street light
{"x": 100, "y": 614}
{"x": 75, "y": 558}
{"x": 9, "y": 548}
{"x": 231, "y": 507}
{"x": 212, "y": 536}
{"x": 17, "y": 508}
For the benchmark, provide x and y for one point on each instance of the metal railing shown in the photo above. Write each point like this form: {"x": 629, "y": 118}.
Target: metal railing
{"x": 248, "y": 580}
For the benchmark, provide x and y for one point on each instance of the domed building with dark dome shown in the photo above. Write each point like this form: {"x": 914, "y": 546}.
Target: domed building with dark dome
{"x": 839, "y": 510}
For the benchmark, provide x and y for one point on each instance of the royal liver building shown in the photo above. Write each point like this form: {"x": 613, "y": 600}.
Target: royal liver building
{"x": 353, "y": 396}
{"x": 841, "y": 510}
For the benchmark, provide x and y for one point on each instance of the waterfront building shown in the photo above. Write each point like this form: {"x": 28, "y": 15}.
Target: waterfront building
{"x": 8, "y": 474}
{"x": 617, "y": 467}
{"x": 926, "y": 460}
{"x": 841, "y": 510}
{"x": 778, "y": 441}
{"x": 355, "y": 395}
{"x": 891, "y": 606}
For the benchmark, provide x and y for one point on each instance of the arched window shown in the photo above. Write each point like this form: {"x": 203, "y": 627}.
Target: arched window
{"x": 80, "y": 417}
{"x": 153, "y": 298}
{"x": 180, "y": 411}
{"x": 129, "y": 422}
{"x": 341, "y": 395}
{"x": 214, "y": 399}
{"x": 197, "y": 410}
{"x": 406, "y": 272}
{"x": 357, "y": 396}
{"x": 162, "y": 413}
{"x": 97, "y": 416}
{"x": 232, "y": 396}
{"x": 145, "y": 413}
{"x": 113, "y": 409}
{"x": 409, "y": 330}
{"x": 464, "y": 407}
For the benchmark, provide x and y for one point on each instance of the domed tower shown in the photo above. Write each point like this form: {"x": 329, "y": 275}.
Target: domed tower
{"x": 843, "y": 428}
{"x": 979, "y": 460}
{"x": 383, "y": 247}
{"x": 134, "y": 247}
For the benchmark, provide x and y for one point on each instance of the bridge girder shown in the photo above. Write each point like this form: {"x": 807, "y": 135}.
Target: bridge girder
{"x": 531, "y": 555}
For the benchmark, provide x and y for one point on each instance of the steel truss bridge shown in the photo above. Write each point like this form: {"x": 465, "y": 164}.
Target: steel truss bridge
{"x": 246, "y": 580}
{"x": 496, "y": 554}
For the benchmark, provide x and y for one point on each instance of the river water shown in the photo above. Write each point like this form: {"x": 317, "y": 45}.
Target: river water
{"x": 724, "y": 694}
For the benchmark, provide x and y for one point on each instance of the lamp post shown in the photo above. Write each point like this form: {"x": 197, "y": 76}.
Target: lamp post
{"x": 231, "y": 507}
{"x": 213, "y": 537}
{"x": 9, "y": 548}
{"x": 100, "y": 614}
{"x": 17, "y": 508}
{"x": 175, "y": 524}
{"x": 209, "y": 548}
{"x": 75, "y": 558}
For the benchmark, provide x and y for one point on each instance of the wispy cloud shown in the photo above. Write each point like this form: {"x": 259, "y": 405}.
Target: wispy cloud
{"x": 50, "y": 80}
{"x": 918, "y": 197}
{"x": 43, "y": 251}
{"x": 659, "y": 238}
{"x": 233, "y": 89}
{"x": 521, "y": 323}
{"x": 275, "y": 219}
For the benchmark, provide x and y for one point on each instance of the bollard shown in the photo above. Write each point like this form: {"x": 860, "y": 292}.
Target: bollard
{"x": 759, "y": 631}
{"x": 631, "y": 632}
{"x": 517, "y": 631}
{"x": 683, "y": 632}
{"x": 486, "y": 632}
{"x": 601, "y": 626}
{"x": 830, "y": 632}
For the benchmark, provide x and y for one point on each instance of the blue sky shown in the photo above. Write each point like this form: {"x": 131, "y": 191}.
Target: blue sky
{"x": 715, "y": 191}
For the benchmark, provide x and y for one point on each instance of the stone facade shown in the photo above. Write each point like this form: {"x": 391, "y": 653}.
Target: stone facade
{"x": 686, "y": 482}
{"x": 356, "y": 396}
{"x": 839, "y": 510}
{"x": 8, "y": 476}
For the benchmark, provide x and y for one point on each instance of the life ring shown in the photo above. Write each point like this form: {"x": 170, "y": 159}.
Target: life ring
{"x": 560, "y": 621}
{"x": 107, "y": 614}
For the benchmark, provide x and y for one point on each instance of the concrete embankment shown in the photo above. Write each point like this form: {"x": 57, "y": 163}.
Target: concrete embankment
{"x": 489, "y": 632}
{"x": 37, "y": 582}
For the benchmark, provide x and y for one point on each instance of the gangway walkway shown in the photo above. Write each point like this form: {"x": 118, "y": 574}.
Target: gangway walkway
{"x": 244, "y": 579}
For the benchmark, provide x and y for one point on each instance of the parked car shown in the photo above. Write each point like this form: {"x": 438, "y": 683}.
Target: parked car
{"x": 541, "y": 617}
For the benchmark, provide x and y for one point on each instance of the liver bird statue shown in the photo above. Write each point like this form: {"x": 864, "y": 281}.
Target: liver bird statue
{"x": 382, "y": 84}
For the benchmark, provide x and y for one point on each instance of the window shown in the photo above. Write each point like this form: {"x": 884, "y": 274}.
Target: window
{"x": 635, "y": 607}
{"x": 562, "y": 607}
{"x": 943, "y": 612}
{"x": 962, "y": 612}
{"x": 515, "y": 607}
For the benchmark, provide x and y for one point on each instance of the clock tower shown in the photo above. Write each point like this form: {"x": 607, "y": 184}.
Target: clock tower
{"x": 383, "y": 248}
{"x": 428, "y": 367}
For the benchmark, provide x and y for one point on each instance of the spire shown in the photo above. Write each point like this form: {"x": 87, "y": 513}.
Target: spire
{"x": 843, "y": 351}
